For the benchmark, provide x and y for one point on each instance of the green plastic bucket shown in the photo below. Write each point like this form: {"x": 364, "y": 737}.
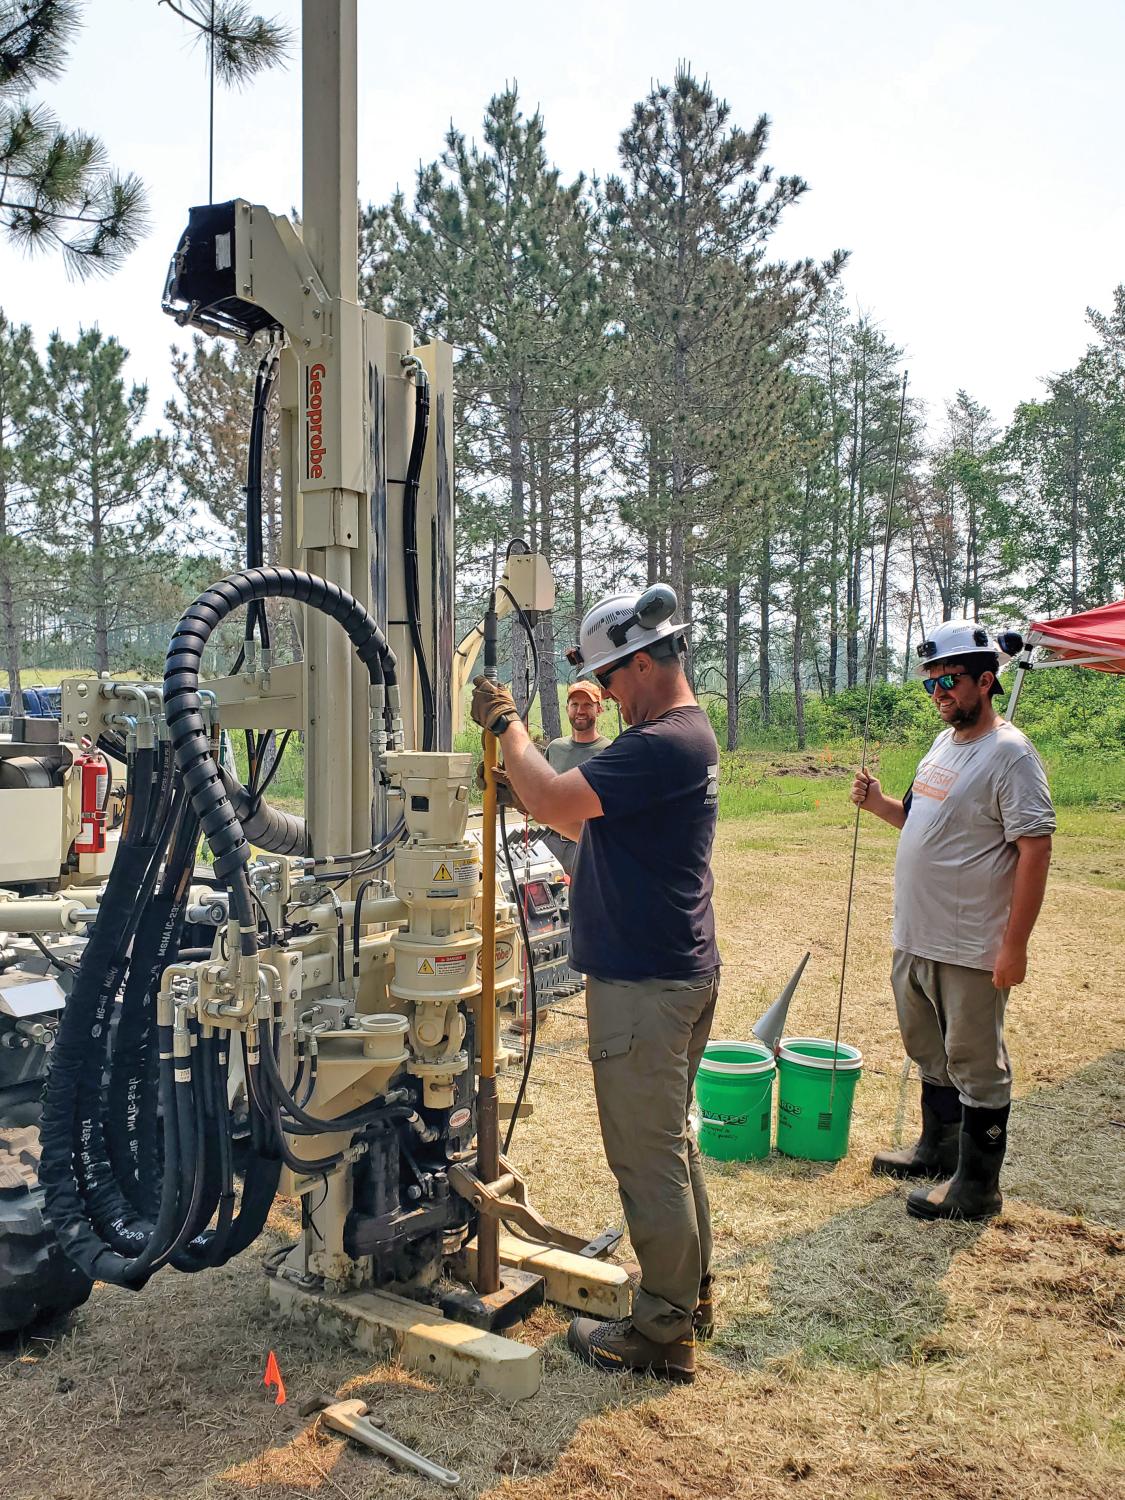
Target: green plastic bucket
{"x": 734, "y": 1091}
{"x": 806, "y": 1126}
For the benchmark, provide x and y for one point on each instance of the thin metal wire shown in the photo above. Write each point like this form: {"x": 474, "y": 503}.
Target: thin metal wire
{"x": 880, "y": 605}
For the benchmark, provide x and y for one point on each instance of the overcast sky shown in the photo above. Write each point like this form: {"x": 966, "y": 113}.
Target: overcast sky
{"x": 969, "y": 155}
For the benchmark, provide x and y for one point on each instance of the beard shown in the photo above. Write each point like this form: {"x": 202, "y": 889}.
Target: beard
{"x": 965, "y": 718}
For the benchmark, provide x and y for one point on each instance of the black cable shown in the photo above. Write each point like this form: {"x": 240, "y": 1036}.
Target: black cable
{"x": 52, "y": 958}
{"x": 261, "y": 790}
{"x": 255, "y": 539}
{"x": 530, "y": 633}
{"x": 410, "y": 555}
{"x": 357, "y": 923}
{"x": 533, "y": 992}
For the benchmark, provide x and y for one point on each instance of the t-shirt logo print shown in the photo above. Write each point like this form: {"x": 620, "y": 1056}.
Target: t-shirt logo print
{"x": 934, "y": 781}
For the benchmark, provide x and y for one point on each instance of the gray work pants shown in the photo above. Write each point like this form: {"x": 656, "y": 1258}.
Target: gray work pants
{"x": 646, "y": 1040}
{"x": 952, "y": 1024}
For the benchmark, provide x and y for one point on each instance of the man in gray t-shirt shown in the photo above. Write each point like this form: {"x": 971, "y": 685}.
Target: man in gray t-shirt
{"x": 583, "y": 704}
{"x": 969, "y": 880}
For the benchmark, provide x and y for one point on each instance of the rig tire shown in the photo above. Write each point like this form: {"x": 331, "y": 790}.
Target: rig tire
{"x": 37, "y": 1281}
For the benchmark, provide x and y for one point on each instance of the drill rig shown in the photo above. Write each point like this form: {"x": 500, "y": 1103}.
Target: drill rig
{"x": 330, "y": 990}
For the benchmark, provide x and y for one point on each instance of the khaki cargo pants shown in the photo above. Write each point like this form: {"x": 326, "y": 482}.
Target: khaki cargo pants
{"x": 646, "y": 1040}
{"x": 952, "y": 1024}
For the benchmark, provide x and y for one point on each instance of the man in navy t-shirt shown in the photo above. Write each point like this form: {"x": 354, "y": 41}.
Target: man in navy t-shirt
{"x": 643, "y": 813}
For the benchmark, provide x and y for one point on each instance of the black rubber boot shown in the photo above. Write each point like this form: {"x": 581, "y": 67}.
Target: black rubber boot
{"x": 973, "y": 1192}
{"x": 619, "y": 1346}
{"x": 935, "y": 1152}
{"x": 703, "y": 1318}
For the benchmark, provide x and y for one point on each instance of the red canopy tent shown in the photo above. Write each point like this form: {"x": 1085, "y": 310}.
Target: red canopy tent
{"x": 1095, "y": 639}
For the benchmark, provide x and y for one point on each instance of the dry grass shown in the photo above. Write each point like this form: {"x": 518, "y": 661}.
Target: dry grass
{"x": 861, "y": 1354}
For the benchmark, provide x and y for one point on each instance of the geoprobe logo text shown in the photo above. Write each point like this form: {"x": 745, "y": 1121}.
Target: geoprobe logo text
{"x": 314, "y": 429}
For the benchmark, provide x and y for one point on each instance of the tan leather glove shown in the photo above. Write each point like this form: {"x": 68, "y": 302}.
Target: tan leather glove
{"x": 506, "y": 795}
{"x": 493, "y": 706}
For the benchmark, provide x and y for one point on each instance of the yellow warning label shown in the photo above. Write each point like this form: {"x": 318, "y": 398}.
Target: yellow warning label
{"x": 442, "y": 873}
{"x": 425, "y": 967}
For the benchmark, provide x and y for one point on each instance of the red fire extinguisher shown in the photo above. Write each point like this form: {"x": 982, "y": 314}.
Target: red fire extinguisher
{"x": 93, "y": 768}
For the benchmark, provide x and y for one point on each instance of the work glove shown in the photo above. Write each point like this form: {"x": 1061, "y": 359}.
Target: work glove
{"x": 506, "y": 795}
{"x": 493, "y": 706}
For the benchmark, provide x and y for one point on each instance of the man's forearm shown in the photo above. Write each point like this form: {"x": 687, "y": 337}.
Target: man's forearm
{"x": 1027, "y": 891}
{"x": 890, "y": 809}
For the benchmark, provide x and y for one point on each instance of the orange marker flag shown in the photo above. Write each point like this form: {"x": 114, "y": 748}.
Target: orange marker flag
{"x": 273, "y": 1377}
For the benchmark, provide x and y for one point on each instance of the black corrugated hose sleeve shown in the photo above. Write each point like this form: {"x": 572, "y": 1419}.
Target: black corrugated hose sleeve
{"x": 108, "y": 1206}
{"x": 132, "y": 1129}
{"x": 79, "y": 1054}
{"x": 264, "y": 826}
{"x": 183, "y": 709}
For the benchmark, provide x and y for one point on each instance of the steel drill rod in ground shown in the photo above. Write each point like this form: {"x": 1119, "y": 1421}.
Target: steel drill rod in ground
{"x": 488, "y": 1113}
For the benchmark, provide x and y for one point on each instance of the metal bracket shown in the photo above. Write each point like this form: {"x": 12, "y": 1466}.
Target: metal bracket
{"x": 506, "y": 1200}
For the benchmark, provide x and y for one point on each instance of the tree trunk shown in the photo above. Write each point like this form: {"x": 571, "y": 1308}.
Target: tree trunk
{"x": 1074, "y": 512}
{"x": 834, "y": 600}
{"x": 732, "y": 643}
{"x": 9, "y": 622}
{"x": 576, "y": 519}
{"x": 914, "y": 599}
{"x": 545, "y": 628}
{"x": 765, "y": 584}
{"x": 799, "y": 616}
{"x": 98, "y": 585}
{"x": 517, "y": 482}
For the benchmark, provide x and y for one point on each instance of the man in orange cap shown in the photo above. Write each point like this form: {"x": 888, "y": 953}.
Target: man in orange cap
{"x": 583, "y": 704}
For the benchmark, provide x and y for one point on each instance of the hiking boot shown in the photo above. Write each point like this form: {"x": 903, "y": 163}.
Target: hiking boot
{"x": 973, "y": 1192}
{"x": 935, "y": 1152}
{"x": 703, "y": 1318}
{"x": 619, "y": 1346}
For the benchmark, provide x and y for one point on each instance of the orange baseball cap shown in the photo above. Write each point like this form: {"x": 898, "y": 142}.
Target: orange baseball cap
{"x": 586, "y": 689}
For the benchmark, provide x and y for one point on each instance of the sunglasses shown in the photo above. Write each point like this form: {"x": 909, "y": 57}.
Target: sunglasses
{"x": 947, "y": 681}
{"x": 602, "y": 678}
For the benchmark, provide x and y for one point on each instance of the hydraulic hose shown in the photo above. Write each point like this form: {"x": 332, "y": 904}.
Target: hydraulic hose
{"x": 255, "y": 539}
{"x": 93, "y": 1222}
{"x": 265, "y": 827}
{"x": 132, "y": 1131}
{"x": 96, "y": 1223}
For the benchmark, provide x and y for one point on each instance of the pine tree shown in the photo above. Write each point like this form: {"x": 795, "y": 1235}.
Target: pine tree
{"x": 210, "y": 425}
{"x": 20, "y": 380}
{"x": 57, "y": 191}
{"x": 691, "y": 217}
{"x": 496, "y": 257}
{"x": 104, "y": 486}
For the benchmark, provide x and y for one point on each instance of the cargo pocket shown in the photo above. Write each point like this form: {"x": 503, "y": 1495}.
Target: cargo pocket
{"x": 616, "y": 1045}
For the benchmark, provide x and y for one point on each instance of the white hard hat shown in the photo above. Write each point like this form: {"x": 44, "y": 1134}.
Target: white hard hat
{"x": 624, "y": 623}
{"x": 954, "y": 640}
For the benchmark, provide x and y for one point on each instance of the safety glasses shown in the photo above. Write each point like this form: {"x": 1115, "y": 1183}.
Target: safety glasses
{"x": 947, "y": 681}
{"x": 602, "y": 678}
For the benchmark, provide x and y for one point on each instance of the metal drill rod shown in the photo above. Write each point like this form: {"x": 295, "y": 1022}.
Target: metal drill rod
{"x": 488, "y": 1109}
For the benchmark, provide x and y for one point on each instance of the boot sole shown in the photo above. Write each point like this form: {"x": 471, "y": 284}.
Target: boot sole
{"x": 905, "y": 1172}
{"x": 612, "y": 1367}
{"x": 933, "y": 1211}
